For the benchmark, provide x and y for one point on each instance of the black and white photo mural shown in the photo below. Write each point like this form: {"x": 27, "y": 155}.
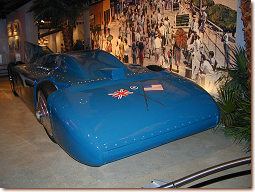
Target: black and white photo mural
{"x": 193, "y": 38}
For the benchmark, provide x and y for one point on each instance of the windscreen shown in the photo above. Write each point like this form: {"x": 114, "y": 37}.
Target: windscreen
{"x": 93, "y": 62}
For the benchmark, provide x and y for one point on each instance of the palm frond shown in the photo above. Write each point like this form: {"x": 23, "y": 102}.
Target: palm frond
{"x": 234, "y": 99}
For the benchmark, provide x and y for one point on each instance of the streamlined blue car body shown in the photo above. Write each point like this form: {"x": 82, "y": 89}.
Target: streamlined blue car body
{"x": 101, "y": 110}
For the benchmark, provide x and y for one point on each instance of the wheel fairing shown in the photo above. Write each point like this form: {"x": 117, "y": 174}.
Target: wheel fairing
{"x": 79, "y": 145}
{"x": 42, "y": 108}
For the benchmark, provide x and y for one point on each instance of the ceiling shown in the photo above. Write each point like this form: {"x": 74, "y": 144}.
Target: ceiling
{"x": 7, "y": 6}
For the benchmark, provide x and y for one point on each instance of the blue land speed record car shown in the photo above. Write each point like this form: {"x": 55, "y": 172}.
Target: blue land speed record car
{"x": 100, "y": 110}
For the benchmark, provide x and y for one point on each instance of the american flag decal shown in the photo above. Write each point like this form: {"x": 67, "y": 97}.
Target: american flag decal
{"x": 155, "y": 87}
{"x": 119, "y": 94}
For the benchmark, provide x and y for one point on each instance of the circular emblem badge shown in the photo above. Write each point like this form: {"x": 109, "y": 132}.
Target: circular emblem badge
{"x": 133, "y": 87}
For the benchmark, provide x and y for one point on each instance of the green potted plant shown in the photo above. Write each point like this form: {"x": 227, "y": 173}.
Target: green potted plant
{"x": 234, "y": 100}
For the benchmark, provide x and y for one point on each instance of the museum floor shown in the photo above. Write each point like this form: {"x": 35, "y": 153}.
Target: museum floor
{"x": 30, "y": 160}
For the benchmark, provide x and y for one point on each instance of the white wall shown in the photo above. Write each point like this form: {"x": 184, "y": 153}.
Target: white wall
{"x": 58, "y": 41}
{"x": 78, "y": 33}
{"x": 28, "y": 29}
{"x": 52, "y": 42}
{"x": 239, "y": 28}
{"x": 4, "y": 42}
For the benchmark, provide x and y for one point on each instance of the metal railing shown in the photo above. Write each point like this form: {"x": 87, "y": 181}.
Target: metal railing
{"x": 212, "y": 41}
{"x": 207, "y": 172}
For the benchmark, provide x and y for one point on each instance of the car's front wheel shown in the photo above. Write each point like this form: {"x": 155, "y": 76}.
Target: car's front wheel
{"x": 42, "y": 112}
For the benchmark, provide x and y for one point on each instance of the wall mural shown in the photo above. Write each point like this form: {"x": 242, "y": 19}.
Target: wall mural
{"x": 188, "y": 37}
